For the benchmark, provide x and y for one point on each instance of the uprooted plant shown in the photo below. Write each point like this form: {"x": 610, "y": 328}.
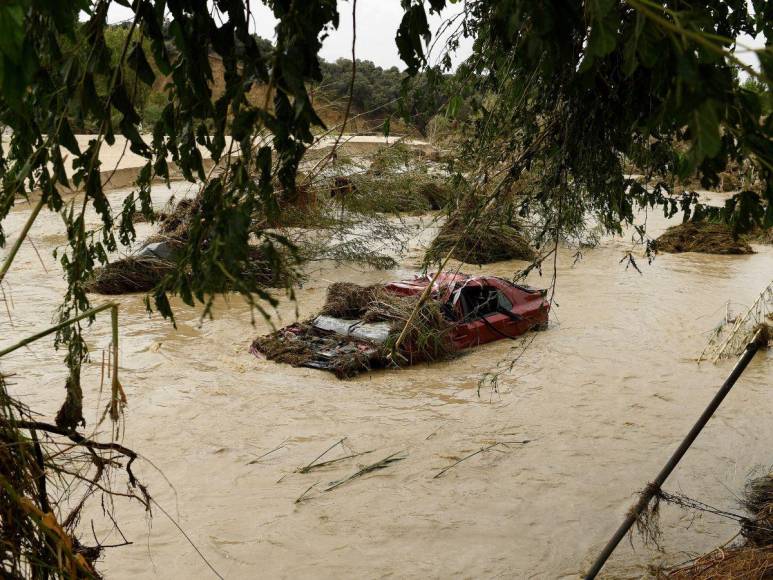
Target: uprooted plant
{"x": 749, "y": 556}
{"x": 48, "y": 474}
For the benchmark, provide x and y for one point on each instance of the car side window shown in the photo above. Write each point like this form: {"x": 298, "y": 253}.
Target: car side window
{"x": 503, "y": 301}
{"x": 479, "y": 302}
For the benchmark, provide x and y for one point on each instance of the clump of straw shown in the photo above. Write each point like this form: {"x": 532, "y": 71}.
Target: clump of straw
{"x": 491, "y": 240}
{"x": 175, "y": 223}
{"x": 348, "y": 300}
{"x": 428, "y": 336}
{"x": 703, "y": 237}
{"x": 752, "y": 557}
{"x": 410, "y": 192}
{"x": 129, "y": 275}
{"x": 758, "y": 502}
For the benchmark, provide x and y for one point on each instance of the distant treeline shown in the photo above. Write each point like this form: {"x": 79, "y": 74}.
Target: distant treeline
{"x": 379, "y": 95}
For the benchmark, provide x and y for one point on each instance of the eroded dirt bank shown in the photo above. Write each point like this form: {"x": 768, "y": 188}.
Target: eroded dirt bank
{"x": 603, "y": 396}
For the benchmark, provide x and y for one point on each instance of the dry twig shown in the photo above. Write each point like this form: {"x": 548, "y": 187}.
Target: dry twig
{"x": 481, "y": 450}
{"x": 368, "y": 469}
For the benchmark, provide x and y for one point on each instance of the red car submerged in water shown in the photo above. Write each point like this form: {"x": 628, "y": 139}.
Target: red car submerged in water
{"x": 480, "y": 309}
{"x": 483, "y": 308}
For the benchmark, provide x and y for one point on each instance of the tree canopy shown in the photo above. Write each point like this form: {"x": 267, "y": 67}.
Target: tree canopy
{"x": 576, "y": 90}
{"x": 567, "y": 90}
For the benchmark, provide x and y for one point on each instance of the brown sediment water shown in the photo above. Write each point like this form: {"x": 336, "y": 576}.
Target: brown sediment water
{"x": 603, "y": 396}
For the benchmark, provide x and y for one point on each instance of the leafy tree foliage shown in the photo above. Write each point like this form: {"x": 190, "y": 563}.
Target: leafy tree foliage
{"x": 375, "y": 88}
{"x": 575, "y": 89}
{"x": 57, "y": 74}
{"x": 383, "y": 93}
{"x": 764, "y": 92}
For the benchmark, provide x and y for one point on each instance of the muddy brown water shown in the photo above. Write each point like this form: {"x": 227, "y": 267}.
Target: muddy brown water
{"x": 603, "y": 397}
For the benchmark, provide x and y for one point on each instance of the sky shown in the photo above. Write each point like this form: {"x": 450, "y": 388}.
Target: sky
{"x": 377, "y": 23}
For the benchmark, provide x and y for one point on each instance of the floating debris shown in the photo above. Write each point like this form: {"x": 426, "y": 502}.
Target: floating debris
{"x": 703, "y": 237}
{"x": 731, "y": 336}
{"x": 751, "y": 558}
{"x": 492, "y": 240}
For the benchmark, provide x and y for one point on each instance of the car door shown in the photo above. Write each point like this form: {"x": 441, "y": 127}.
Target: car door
{"x": 492, "y": 323}
{"x": 504, "y": 321}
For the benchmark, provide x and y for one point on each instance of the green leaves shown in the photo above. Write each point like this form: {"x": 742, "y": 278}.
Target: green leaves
{"x": 412, "y": 31}
{"x": 67, "y": 139}
{"x": 604, "y": 21}
{"x": 139, "y": 63}
{"x": 17, "y": 59}
{"x": 704, "y": 128}
{"x": 11, "y": 30}
{"x": 454, "y": 104}
{"x": 581, "y": 93}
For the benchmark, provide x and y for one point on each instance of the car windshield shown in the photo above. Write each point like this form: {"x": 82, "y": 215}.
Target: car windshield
{"x": 481, "y": 301}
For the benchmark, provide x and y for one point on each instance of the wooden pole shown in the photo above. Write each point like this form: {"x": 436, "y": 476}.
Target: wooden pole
{"x": 760, "y": 339}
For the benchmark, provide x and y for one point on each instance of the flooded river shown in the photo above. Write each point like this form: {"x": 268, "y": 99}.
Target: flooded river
{"x": 603, "y": 397}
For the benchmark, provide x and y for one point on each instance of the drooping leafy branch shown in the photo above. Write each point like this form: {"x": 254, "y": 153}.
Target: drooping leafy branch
{"x": 58, "y": 73}
{"x": 588, "y": 87}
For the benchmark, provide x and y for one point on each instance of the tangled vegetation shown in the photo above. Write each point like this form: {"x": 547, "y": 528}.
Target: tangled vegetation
{"x": 493, "y": 239}
{"x": 752, "y": 556}
{"x": 48, "y": 473}
{"x": 704, "y": 237}
{"x": 427, "y": 335}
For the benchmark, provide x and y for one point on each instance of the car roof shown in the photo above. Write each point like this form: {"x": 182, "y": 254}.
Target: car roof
{"x": 444, "y": 281}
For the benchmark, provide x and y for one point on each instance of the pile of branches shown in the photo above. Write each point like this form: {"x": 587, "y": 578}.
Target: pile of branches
{"x": 47, "y": 474}
{"x": 705, "y": 237}
{"x": 752, "y": 556}
{"x": 426, "y": 333}
{"x": 299, "y": 345}
{"x": 410, "y": 192}
{"x": 491, "y": 240}
{"x": 129, "y": 275}
{"x": 175, "y": 222}
{"x": 143, "y": 273}
{"x": 394, "y": 180}
{"x": 761, "y": 236}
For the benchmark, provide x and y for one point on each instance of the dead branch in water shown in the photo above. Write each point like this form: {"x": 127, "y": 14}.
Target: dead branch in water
{"x": 368, "y": 469}
{"x": 303, "y": 495}
{"x": 481, "y": 450}
{"x": 308, "y": 468}
{"x": 320, "y": 456}
{"x": 282, "y": 445}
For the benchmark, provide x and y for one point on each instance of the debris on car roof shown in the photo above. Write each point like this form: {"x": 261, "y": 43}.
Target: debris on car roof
{"x": 357, "y": 328}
